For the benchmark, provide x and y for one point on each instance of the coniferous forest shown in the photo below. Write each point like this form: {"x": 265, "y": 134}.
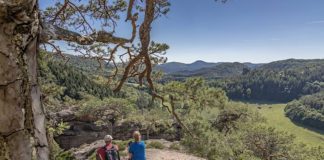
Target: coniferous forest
{"x": 214, "y": 117}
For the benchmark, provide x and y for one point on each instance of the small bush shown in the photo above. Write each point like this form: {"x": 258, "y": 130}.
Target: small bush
{"x": 93, "y": 156}
{"x": 156, "y": 145}
{"x": 123, "y": 153}
{"x": 65, "y": 156}
{"x": 122, "y": 145}
{"x": 175, "y": 146}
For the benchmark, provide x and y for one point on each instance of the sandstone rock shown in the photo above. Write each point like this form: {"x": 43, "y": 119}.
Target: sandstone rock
{"x": 80, "y": 133}
{"x": 87, "y": 132}
{"x": 84, "y": 151}
{"x": 84, "y": 130}
{"x": 66, "y": 115}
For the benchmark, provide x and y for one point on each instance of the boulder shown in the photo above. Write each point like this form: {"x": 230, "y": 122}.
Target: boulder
{"x": 85, "y": 129}
{"x": 84, "y": 151}
{"x": 65, "y": 115}
{"x": 80, "y": 133}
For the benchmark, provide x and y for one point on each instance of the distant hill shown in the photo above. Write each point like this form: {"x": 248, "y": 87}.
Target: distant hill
{"x": 280, "y": 81}
{"x": 75, "y": 76}
{"x": 192, "y": 68}
{"x": 181, "y": 71}
{"x": 91, "y": 66}
{"x": 292, "y": 64}
{"x": 220, "y": 70}
{"x": 175, "y": 70}
{"x": 173, "y": 67}
{"x": 253, "y": 65}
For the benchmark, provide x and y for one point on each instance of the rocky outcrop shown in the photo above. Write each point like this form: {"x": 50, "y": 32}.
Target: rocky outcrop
{"x": 80, "y": 133}
{"x": 87, "y": 132}
{"x": 84, "y": 151}
{"x": 65, "y": 115}
{"x": 84, "y": 130}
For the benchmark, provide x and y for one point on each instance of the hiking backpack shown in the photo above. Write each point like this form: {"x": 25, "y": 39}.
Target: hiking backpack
{"x": 110, "y": 154}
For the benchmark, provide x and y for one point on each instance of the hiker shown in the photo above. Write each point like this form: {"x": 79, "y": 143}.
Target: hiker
{"x": 109, "y": 151}
{"x": 136, "y": 150}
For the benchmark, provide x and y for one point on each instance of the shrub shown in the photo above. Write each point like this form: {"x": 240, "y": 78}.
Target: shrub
{"x": 122, "y": 145}
{"x": 175, "y": 146}
{"x": 67, "y": 155}
{"x": 93, "y": 156}
{"x": 156, "y": 145}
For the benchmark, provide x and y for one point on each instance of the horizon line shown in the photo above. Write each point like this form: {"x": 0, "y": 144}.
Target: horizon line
{"x": 244, "y": 61}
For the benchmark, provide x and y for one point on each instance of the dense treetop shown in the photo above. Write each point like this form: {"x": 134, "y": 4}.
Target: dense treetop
{"x": 308, "y": 110}
{"x": 280, "y": 81}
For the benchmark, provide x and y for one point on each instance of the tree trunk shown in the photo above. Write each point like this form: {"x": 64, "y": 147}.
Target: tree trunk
{"x": 22, "y": 120}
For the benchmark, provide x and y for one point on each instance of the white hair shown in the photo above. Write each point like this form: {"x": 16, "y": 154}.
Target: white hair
{"x": 108, "y": 138}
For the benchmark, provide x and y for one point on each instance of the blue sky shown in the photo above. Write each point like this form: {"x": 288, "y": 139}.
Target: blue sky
{"x": 242, "y": 30}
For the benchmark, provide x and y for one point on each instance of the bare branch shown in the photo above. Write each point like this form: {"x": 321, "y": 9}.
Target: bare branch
{"x": 66, "y": 2}
{"x": 81, "y": 14}
{"x": 173, "y": 112}
{"x": 53, "y": 32}
{"x": 129, "y": 10}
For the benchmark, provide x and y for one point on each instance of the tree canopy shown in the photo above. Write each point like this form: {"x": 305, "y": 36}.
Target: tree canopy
{"x": 90, "y": 28}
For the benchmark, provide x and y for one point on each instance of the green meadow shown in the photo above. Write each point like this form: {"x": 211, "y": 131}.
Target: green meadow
{"x": 274, "y": 113}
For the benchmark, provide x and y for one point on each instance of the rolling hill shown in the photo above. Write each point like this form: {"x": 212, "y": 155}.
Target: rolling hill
{"x": 181, "y": 71}
{"x": 220, "y": 70}
{"x": 280, "y": 81}
{"x": 173, "y": 67}
{"x": 197, "y": 66}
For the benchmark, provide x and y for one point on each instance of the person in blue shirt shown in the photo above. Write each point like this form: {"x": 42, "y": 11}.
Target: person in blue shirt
{"x": 136, "y": 149}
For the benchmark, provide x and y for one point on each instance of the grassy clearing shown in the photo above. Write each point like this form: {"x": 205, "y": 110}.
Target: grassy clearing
{"x": 275, "y": 116}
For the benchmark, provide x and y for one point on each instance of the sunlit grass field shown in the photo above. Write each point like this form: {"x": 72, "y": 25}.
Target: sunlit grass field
{"x": 275, "y": 116}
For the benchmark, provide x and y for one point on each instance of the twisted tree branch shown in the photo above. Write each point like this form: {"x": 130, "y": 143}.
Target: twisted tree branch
{"x": 53, "y": 32}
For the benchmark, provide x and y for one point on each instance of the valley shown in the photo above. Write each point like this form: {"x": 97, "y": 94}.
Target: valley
{"x": 88, "y": 109}
{"x": 275, "y": 115}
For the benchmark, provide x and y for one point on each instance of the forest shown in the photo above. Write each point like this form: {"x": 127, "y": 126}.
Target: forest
{"x": 280, "y": 81}
{"x": 307, "y": 110}
{"x": 211, "y": 116}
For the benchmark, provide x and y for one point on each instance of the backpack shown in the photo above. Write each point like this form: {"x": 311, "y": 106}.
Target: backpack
{"x": 110, "y": 154}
